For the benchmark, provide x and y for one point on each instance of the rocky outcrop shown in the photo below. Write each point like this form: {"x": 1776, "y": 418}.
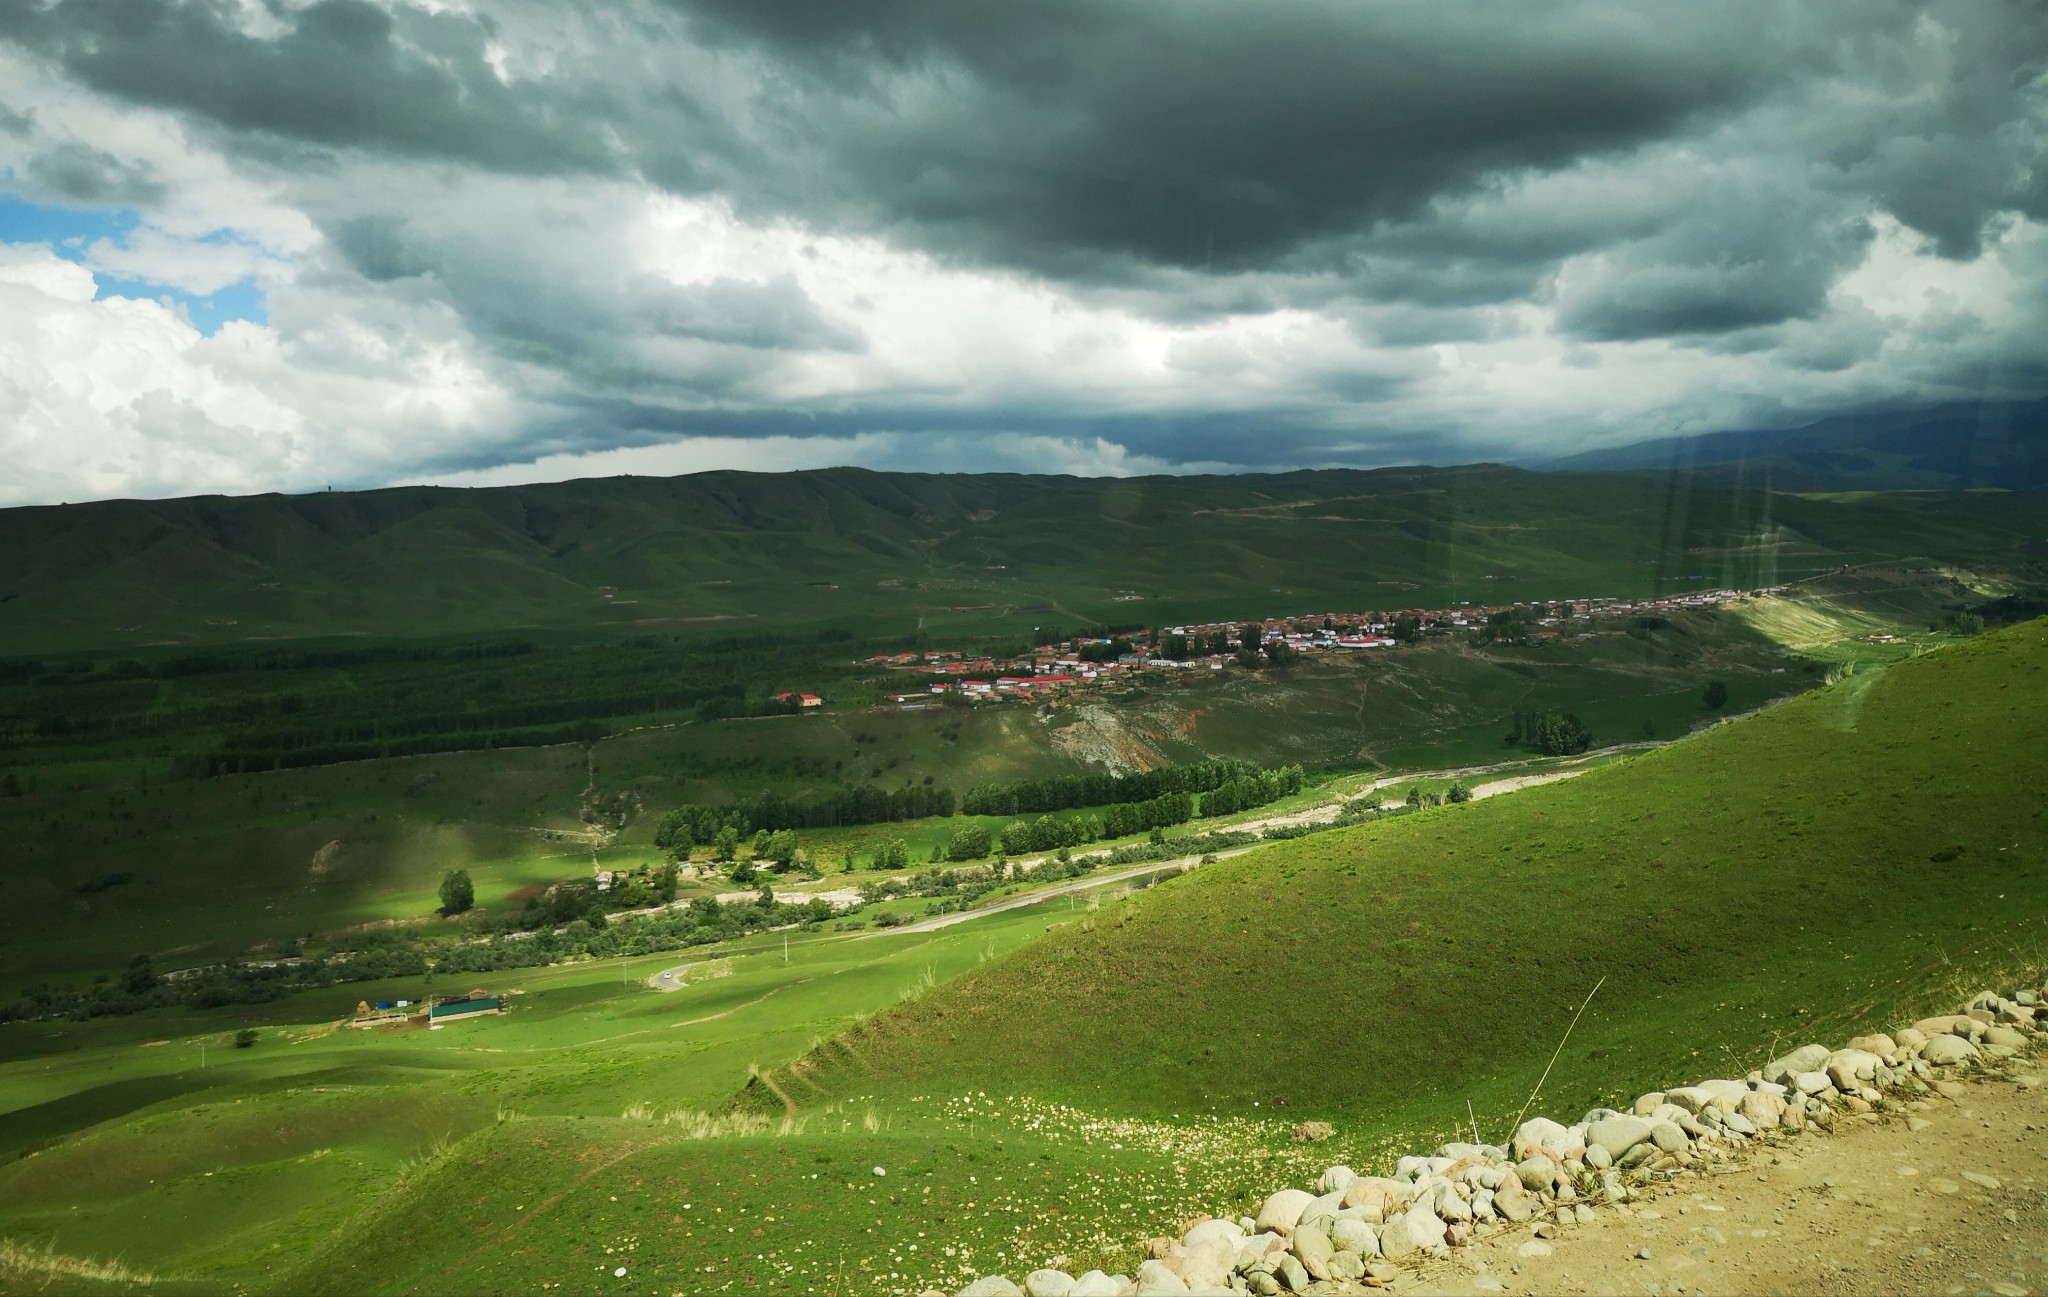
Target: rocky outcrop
{"x": 1357, "y": 1231}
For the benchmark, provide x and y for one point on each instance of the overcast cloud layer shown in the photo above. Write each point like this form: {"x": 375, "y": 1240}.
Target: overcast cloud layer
{"x": 518, "y": 241}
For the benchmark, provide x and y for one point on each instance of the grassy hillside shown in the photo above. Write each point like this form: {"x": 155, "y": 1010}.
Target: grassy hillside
{"x": 886, "y": 553}
{"x": 1795, "y": 870}
{"x": 210, "y": 868}
{"x": 1815, "y": 869}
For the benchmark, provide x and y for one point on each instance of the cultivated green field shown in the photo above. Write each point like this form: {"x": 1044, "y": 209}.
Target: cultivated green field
{"x": 1838, "y": 859}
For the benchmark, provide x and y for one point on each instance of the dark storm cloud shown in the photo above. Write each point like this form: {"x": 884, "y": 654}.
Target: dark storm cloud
{"x": 92, "y": 176}
{"x": 1095, "y": 142}
{"x": 1569, "y": 172}
{"x": 1212, "y": 133}
{"x": 343, "y": 72}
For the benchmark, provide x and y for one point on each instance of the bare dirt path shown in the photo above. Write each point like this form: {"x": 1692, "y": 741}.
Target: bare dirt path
{"x": 1950, "y": 1199}
{"x": 670, "y": 979}
{"x": 1088, "y": 883}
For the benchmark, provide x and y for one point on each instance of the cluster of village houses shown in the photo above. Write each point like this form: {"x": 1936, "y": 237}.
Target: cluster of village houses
{"x": 1055, "y": 668}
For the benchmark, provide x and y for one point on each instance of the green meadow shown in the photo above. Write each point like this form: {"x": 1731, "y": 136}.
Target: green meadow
{"x": 233, "y": 729}
{"x": 1069, "y": 1079}
{"x": 211, "y": 868}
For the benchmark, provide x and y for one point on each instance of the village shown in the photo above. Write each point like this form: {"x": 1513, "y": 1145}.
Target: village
{"x": 1096, "y": 660}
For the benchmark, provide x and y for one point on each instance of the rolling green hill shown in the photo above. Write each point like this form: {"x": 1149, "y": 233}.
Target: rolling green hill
{"x": 1811, "y": 864}
{"x": 1821, "y": 867}
{"x": 883, "y": 553}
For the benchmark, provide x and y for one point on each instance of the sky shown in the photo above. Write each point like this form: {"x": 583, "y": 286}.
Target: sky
{"x": 266, "y": 245}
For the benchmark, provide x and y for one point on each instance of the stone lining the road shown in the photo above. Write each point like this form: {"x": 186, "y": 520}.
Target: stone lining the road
{"x": 1353, "y": 1233}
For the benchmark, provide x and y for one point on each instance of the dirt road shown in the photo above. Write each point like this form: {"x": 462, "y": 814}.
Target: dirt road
{"x": 1078, "y": 885}
{"x": 1951, "y": 1199}
{"x": 670, "y": 979}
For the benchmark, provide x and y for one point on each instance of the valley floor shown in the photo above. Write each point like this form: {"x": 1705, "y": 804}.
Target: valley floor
{"x": 1882, "y": 1206}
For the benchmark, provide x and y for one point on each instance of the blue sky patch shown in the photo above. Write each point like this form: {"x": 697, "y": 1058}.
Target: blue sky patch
{"x": 67, "y": 231}
{"x": 70, "y": 231}
{"x": 239, "y": 301}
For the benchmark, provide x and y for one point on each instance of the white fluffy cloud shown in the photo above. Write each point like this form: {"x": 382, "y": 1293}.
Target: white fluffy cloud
{"x": 116, "y": 396}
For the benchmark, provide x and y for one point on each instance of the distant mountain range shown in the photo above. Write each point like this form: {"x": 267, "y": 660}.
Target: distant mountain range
{"x": 888, "y": 554}
{"x": 1962, "y": 446}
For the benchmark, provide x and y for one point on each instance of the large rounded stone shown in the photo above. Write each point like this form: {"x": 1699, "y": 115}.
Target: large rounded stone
{"x": 1952, "y": 1024}
{"x": 1229, "y": 1231}
{"x": 1312, "y": 1247}
{"x": 1850, "y": 1068}
{"x": 1282, "y": 1212}
{"x": 1537, "y": 1174}
{"x": 1397, "y": 1240}
{"x": 1948, "y": 1051}
{"x": 1208, "y": 1264}
{"x": 1542, "y": 1137}
{"x": 1424, "y": 1226}
{"x": 1376, "y": 1195}
{"x": 1048, "y": 1283}
{"x": 1155, "y": 1280}
{"x": 1763, "y": 1108}
{"x": 1095, "y": 1284}
{"x": 1292, "y": 1275}
{"x": 1349, "y": 1234}
{"x": 1335, "y": 1179}
{"x": 1668, "y": 1136}
{"x": 1806, "y": 1058}
{"x": 994, "y": 1285}
{"x": 1618, "y": 1134}
{"x": 1328, "y": 1204}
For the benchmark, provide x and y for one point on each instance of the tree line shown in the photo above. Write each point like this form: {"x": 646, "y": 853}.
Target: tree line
{"x": 693, "y": 825}
{"x": 1066, "y": 792}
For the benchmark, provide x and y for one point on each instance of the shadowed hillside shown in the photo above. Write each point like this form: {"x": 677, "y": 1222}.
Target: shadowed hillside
{"x": 2002, "y": 444}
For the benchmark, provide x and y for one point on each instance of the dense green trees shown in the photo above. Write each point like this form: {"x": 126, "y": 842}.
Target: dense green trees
{"x": 1069, "y": 792}
{"x": 1554, "y": 734}
{"x": 1508, "y": 626}
{"x": 970, "y": 843}
{"x": 458, "y": 893}
{"x": 140, "y": 978}
{"x": 1716, "y": 695}
{"x": 1251, "y": 790}
{"x": 1049, "y": 833}
{"x": 1126, "y": 818}
{"x": 1561, "y": 734}
{"x": 687, "y": 825}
